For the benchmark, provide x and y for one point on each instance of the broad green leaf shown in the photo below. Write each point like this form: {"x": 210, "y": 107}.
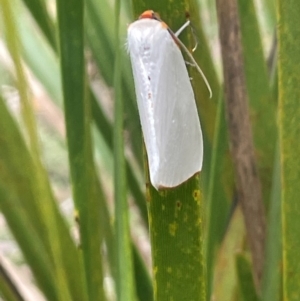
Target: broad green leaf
{"x": 289, "y": 133}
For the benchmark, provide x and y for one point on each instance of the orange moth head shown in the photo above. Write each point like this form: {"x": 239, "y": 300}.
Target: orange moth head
{"x": 149, "y": 14}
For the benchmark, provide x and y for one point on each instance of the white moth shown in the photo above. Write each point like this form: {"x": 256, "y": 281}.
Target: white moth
{"x": 166, "y": 102}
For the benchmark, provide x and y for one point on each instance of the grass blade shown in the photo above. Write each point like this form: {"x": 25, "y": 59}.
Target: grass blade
{"x": 262, "y": 106}
{"x": 77, "y": 116}
{"x": 144, "y": 289}
{"x": 39, "y": 11}
{"x": 55, "y": 236}
{"x": 7, "y": 287}
{"x": 245, "y": 279}
{"x": 219, "y": 194}
{"x": 125, "y": 275}
{"x": 272, "y": 281}
{"x": 16, "y": 186}
{"x": 175, "y": 217}
{"x": 100, "y": 39}
{"x": 289, "y": 129}
{"x": 225, "y": 278}
{"x": 240, "y": 133}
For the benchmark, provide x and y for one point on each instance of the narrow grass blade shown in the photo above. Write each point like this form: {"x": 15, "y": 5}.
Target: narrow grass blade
{"x": 240, "y": 133}
{"x": 77, "y": 116}
{"x": 39, "y": 11}
{"x": 270, "y": 13}
{"x": 220, "y": 192}
{"x": 8, "y": 288}
{"x": 35, "y": 49}
{"x": 105, "y": 127}
{"x": 262, "y": 106}
{"x": 245, "y": 280}
{"x": 144, "y": 289}
{"x": 272, "y": 280}
{"x": 289, "y": 132}
{"x": 125, "y": 277}
{"x": 225, "y": 277}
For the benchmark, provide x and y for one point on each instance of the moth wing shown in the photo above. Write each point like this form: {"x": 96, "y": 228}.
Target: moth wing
{"x": 140, "y": 44}
{"x": 166, "y": 104}
{"x": 177, "y": 126}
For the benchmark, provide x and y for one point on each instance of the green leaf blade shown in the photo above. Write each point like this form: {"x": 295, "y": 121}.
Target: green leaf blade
{"x": 289, "y": 129}
{"x": 175, "y": 217}
{"x": 77, "y": 116}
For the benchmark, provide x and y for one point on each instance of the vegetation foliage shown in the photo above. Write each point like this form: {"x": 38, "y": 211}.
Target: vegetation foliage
{"x": 70, "y": 136}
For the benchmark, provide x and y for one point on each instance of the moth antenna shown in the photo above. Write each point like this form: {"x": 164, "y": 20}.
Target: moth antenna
{"x": 182, "y": 28}
{"x": 196, "y": 65}
{"x": 195, "y": 38}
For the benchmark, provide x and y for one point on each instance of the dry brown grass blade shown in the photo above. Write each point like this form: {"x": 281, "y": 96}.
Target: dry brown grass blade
{"x": 242, "y": 149}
